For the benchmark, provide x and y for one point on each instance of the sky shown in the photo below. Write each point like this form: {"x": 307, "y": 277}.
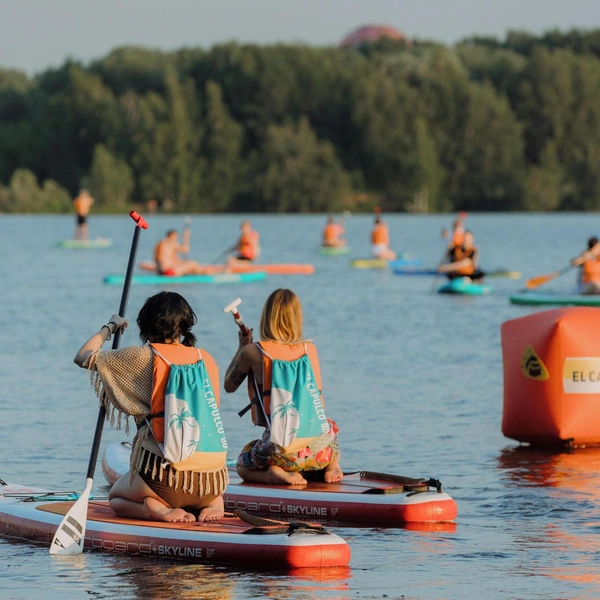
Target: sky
{"x": 38, "y": 34}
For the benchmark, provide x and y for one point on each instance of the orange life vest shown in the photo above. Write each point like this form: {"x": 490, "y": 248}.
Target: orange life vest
{"x": 247, "y": 245}
{"x": 459, "y": 253}
{"x": 331, "y": 234}
{"x": 179, "y": 355}
{"x": 591, "y": 271}
{"x": 380, "y": 235}
{"x": 279, "y": 352}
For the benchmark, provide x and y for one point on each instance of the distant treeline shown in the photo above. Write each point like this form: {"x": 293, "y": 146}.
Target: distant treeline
{"x": 486, "y": 125}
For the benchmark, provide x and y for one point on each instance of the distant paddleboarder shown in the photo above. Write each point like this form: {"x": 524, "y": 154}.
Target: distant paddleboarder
{"x": 380, "y": 239}
{"x": 463, "y": 260}
{"x": 248, "y": 246}
{"x": 589, "y": 263}
{"x": 167, "y": 259}
{"x": 333, "y": 232}
{"x": 82, "y": 205}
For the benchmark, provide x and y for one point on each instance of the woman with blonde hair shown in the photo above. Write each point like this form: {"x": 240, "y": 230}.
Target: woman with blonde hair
{"x": 284, "y": 385}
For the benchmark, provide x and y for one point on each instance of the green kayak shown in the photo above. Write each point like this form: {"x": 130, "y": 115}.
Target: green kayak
{"x": 539, "y": 299}
{"x": 187, "y": 279}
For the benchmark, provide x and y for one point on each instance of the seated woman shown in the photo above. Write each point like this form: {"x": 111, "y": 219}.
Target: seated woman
{"x": 134, "y": 381}
{"x": 284, "y": 382}
{"x": 463, "y": 260}
{"x": 589, "y": 261}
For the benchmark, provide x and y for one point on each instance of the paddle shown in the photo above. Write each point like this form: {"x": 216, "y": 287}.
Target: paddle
{"x": 542, "y": 279}
{"x": 70, "y": 535}
{"x": 228, "y": 251}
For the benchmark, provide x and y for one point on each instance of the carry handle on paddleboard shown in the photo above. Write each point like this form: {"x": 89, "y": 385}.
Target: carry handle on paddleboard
{"x": 232, "y": 308}
{"x": 70, "y": 535}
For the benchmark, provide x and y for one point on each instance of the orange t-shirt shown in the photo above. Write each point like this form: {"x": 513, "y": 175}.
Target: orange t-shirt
{"x": 380, "y": 234}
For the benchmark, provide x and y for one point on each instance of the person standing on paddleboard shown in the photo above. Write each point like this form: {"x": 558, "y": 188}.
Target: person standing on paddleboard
{"x": 138, "y": 381}
{"x": 284, "y": 385}
{"x": 167, "y": 259}
{"x": 589, "y": 261}
{"x": 332, "y": 233}
{"x": 82, "y": 205}
{"x": 464, "y": 260}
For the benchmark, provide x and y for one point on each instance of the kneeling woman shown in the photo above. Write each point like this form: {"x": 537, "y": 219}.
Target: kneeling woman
{"x": 135, "y": 381}
{"x": 284, "y": 384}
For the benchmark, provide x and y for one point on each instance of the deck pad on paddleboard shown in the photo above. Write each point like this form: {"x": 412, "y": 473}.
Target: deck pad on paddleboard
{"x": 355, "y": 501}
{"x": 247, "y": 267}
{"x": 465, "y": 287}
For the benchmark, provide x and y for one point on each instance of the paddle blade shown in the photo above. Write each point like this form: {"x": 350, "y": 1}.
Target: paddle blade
{"x": 540, "y": 280}
{"x": 70, "y": 535}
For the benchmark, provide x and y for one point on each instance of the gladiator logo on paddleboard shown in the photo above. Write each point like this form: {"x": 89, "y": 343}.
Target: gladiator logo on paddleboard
{"x": 532, "y": 366}
{"x": 581, "y": 375}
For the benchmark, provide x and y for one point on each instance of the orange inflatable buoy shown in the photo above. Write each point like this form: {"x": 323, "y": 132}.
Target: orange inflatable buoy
{"x": 552, "y": 377}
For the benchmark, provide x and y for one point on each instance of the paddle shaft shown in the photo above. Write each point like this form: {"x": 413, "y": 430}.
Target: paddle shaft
{"x": 140, "y": 224}
{"x": 542, "y": 279}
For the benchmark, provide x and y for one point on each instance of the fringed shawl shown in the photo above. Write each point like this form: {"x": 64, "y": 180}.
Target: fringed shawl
{"x": 122, "y": 380}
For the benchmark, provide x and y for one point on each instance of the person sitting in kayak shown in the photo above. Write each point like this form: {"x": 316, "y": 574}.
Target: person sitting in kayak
{"x": 167, "y": 259}
{"x": 136, "y": 381}
{"x": 589, "y": 261}
{"x": 380, "y": 239}
{"x": 284, "y": 385}
{"x": 247, "y": 247}
{"x": 332, "y": 233}
{"x": 463, "y": 260}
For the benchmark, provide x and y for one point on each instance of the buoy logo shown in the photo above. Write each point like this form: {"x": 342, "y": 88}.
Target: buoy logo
{"x": 532, "y": 366}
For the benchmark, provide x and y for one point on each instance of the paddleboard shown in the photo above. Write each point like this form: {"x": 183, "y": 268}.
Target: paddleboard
{"x": 464, "y": 286}
{"x": 361, "y": 499}
{"x": 242, "y": 267}
{"x": 334, "y": 250}
{"x": 187, "y": 279}
{"x": 379, "y": 263}
{"x": 425, "y": 271}
{"x": 242, "y": 539}
{"x": 85, "y": 244}
{"x": 537, "y": 299}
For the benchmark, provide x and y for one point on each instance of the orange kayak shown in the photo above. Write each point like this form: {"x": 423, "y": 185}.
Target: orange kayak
{"x": 271, "y": 269}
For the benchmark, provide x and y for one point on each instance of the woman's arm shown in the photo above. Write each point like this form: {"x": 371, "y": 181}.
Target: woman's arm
{"x": 454, "y": 266}
{"x": 240, "y": 365}
{"x": 95, "y": 342}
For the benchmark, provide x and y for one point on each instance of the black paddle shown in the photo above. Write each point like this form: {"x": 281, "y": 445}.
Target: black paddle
{"x": 70, "y": 535}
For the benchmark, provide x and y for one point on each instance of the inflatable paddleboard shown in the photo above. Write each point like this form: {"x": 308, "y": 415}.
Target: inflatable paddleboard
{"x": 361, "y": 499}
{"x": 380, "y": 263}
{"x": 241, "y": 539}
{"x": 537, "y": 299}
{"x": 334, "y": 250}
{"x": 247, "y": 267}
{"x": 85, "y": 244}
{"x": 187, "y": 279}
{"x": 424, "y": 271}
{"x": 464, "y": 286}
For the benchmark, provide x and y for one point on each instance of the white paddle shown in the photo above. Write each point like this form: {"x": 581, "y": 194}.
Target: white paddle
{"x": 70, "y": 535}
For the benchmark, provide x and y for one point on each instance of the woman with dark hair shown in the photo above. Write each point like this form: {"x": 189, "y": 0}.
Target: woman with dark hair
{"x": 285, "y": 398}
{"x": 147, "y": 382}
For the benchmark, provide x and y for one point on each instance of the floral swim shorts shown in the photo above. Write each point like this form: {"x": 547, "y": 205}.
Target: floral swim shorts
{"x": 259, "y": 455}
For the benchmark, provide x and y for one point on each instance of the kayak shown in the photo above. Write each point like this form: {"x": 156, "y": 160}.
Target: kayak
{"x": 31, "y": 514}
{"x": 333, "y": 250}
{"x": 85, "y": 244}
{"x": 537, "y": 299}
{"x": 184, "y": 279}
{"x": 361, "y": 499}
{"x": 425, "y": 271}
{"x": 247, "y": 267}
{"x": 380, "y": 263}
{"x": 464, "y": 286}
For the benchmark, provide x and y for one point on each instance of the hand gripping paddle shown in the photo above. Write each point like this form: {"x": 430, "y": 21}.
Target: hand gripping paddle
{"x": 70, "y": 535}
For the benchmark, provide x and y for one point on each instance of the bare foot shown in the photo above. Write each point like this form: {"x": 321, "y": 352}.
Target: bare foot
{"x": 157, "y": 511}
{"x": 278, "y": 475}
{"x": 333, "y": 472}
{"x": 213, "y": 511}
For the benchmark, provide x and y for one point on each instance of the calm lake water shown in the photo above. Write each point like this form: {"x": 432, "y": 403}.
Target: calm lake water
{"x": 414, "y": 380}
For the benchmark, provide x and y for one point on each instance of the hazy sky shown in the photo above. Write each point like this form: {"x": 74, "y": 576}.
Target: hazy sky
{"x": 36, "y": 34}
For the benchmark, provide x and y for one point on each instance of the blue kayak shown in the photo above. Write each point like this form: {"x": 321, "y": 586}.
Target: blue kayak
{"x": 187, "y": 279}
{"x": 465, "y": 286}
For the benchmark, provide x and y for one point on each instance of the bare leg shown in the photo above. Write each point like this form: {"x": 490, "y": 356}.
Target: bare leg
{"x": 138, "y": 501}
{"x": 273, "y": 475}
{"x": 333, "y": 472}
